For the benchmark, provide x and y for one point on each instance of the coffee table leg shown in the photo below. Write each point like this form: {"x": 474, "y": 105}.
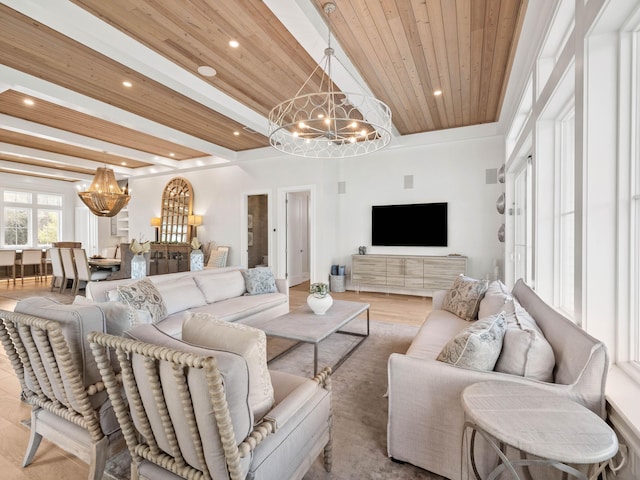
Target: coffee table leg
{"x": 315, "y": 359}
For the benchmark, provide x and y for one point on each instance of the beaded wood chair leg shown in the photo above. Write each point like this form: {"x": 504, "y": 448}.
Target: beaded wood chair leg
{"x": 324, "y": 379}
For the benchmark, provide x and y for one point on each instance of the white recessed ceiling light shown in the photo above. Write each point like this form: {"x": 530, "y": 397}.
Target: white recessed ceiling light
{"x": 123, "y": 164}
{"x": 207, "y": 71}
{"x": 437, "y": 92}
{"x": 28, "y": 101}
{"x": 236, "y": 133}
{"x": 127, "y": 84}
{"x": 234, "y": 43}
{"x": 172, "y": 154}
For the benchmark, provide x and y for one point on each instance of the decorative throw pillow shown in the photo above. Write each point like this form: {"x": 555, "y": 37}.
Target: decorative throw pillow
{"x": 496, "y": 299}
{"x": 143, "y": 295}
{"x": 259, "y": 280}
{"x": 525, "y": 351}
{"x": 464, "y": 296}
{"x": 477, "y": 346}
{"x": 205, "y": 330}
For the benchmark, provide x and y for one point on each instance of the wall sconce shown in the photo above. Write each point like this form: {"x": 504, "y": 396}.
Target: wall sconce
{"x": 194, "y": 221}
{"x": 156, "y": 222}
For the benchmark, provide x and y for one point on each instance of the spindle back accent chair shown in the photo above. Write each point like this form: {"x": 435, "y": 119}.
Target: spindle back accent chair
{"x": 69, "y": 408}
{"x": 186, "y": 414}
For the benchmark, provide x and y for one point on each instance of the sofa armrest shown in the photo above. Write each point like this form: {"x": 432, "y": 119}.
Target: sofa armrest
{"x": 438, "y": 299}
{"x": 287, "y": 408}
{"x": 282, "y": 284}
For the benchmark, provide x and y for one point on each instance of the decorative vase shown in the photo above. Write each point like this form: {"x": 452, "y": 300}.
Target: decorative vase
{"x": 138, "y": 266}
{"x": 319, "y": 305}
{"x": 196, "y": 260}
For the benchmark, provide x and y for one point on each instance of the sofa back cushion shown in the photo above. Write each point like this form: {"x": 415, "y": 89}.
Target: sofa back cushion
{"x": 220, "y": 286}
{"x": 577, "y": 354}
{"x": 180, "y": 294}
{"x": 525, "y": 351}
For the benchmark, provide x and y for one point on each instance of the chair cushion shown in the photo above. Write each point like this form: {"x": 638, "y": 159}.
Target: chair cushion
{"x": 207, "y": 331}
{"x": 75, "y": 322}
{"x": 180, "y": 294}
{"x": 143, "y": 295}
{"x": 477, "y": 346}
{"x": 259, "y": 280}
{"x": 464, "y": 296}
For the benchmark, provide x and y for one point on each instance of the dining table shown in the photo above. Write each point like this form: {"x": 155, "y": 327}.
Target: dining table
{"x": 105, "y": 263}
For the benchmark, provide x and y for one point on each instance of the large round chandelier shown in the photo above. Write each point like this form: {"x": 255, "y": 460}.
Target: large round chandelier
{"x": 104, "y": 197}
{"x": 329, "y": 123}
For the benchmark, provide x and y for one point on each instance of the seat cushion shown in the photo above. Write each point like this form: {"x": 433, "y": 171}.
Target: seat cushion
{"x": 207, "y": 331}
{"x": 477, "y": 346}
{"x": 234, "y": 309}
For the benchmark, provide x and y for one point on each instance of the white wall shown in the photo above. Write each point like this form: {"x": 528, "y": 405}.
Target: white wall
{"x": 451, "y": 170}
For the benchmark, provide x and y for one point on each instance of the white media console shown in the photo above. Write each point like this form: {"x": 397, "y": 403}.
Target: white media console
{"x": 406, "y": 272}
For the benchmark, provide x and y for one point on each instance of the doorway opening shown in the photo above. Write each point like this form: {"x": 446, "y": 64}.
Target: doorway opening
{"x": 255, "y": 228}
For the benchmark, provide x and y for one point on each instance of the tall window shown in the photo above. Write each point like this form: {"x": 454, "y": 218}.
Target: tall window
{"x": 30, "y": 219}
{"x": 566, "y": 214}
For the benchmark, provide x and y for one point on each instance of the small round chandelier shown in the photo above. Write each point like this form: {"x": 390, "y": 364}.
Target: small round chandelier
{"x": 329, "y": 123}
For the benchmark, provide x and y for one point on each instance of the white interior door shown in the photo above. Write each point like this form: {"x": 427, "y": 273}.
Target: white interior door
{"x": 298, "y": 237}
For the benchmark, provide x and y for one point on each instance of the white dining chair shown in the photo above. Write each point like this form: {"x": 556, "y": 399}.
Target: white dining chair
{"x": 8, "y": 261}
{"x": 66, "y": 254}
{"x": 57, "y": 270}
{"x": 30, "y": 257}
{"x": 83, "y": 270}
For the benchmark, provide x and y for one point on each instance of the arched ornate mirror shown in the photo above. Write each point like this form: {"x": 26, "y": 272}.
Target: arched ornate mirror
{"x": 177, "y": 204}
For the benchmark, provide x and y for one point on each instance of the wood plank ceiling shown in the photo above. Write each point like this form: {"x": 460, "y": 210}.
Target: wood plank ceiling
{"x": 403, "y": 49}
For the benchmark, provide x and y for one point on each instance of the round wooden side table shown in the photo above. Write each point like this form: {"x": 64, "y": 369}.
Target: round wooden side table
{"x": 555, "y": 429}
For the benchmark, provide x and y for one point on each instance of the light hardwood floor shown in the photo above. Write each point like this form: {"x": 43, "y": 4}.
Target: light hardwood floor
{"x": 51, "y": 462}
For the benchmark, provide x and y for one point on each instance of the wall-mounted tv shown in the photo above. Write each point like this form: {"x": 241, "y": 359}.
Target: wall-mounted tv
{"x": 412, "y": 225}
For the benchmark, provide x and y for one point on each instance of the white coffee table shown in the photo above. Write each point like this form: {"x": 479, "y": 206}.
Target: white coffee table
{"x": 303, "y": 326}
{"x": 557, "y": 430}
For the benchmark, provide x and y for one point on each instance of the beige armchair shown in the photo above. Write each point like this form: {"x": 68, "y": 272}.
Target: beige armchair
{"x": 186, "y": 412}
{"x": 60, "y": 380}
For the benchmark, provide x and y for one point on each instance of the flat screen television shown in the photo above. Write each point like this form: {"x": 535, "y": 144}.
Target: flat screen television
{"x": 412, "y": 225}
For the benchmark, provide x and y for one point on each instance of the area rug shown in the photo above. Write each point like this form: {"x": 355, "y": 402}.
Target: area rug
{"x": 359, "y": 403}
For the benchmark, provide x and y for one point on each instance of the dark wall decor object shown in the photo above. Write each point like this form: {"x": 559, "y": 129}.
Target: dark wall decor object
{"x": 501, "y": 233}
{"x": 500, "y": 204}
{"x": 501, "y": 173}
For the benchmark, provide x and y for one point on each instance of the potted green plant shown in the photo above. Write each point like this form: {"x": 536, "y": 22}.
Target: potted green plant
{"x": 319, "y": 299}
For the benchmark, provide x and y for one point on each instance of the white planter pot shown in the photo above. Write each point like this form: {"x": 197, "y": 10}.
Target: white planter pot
{"x": 319, "y": 305}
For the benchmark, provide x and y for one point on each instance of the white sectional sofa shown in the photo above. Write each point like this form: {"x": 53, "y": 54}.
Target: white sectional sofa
{"x": 218, "y": 291}
{"x": 426, "y": 418}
